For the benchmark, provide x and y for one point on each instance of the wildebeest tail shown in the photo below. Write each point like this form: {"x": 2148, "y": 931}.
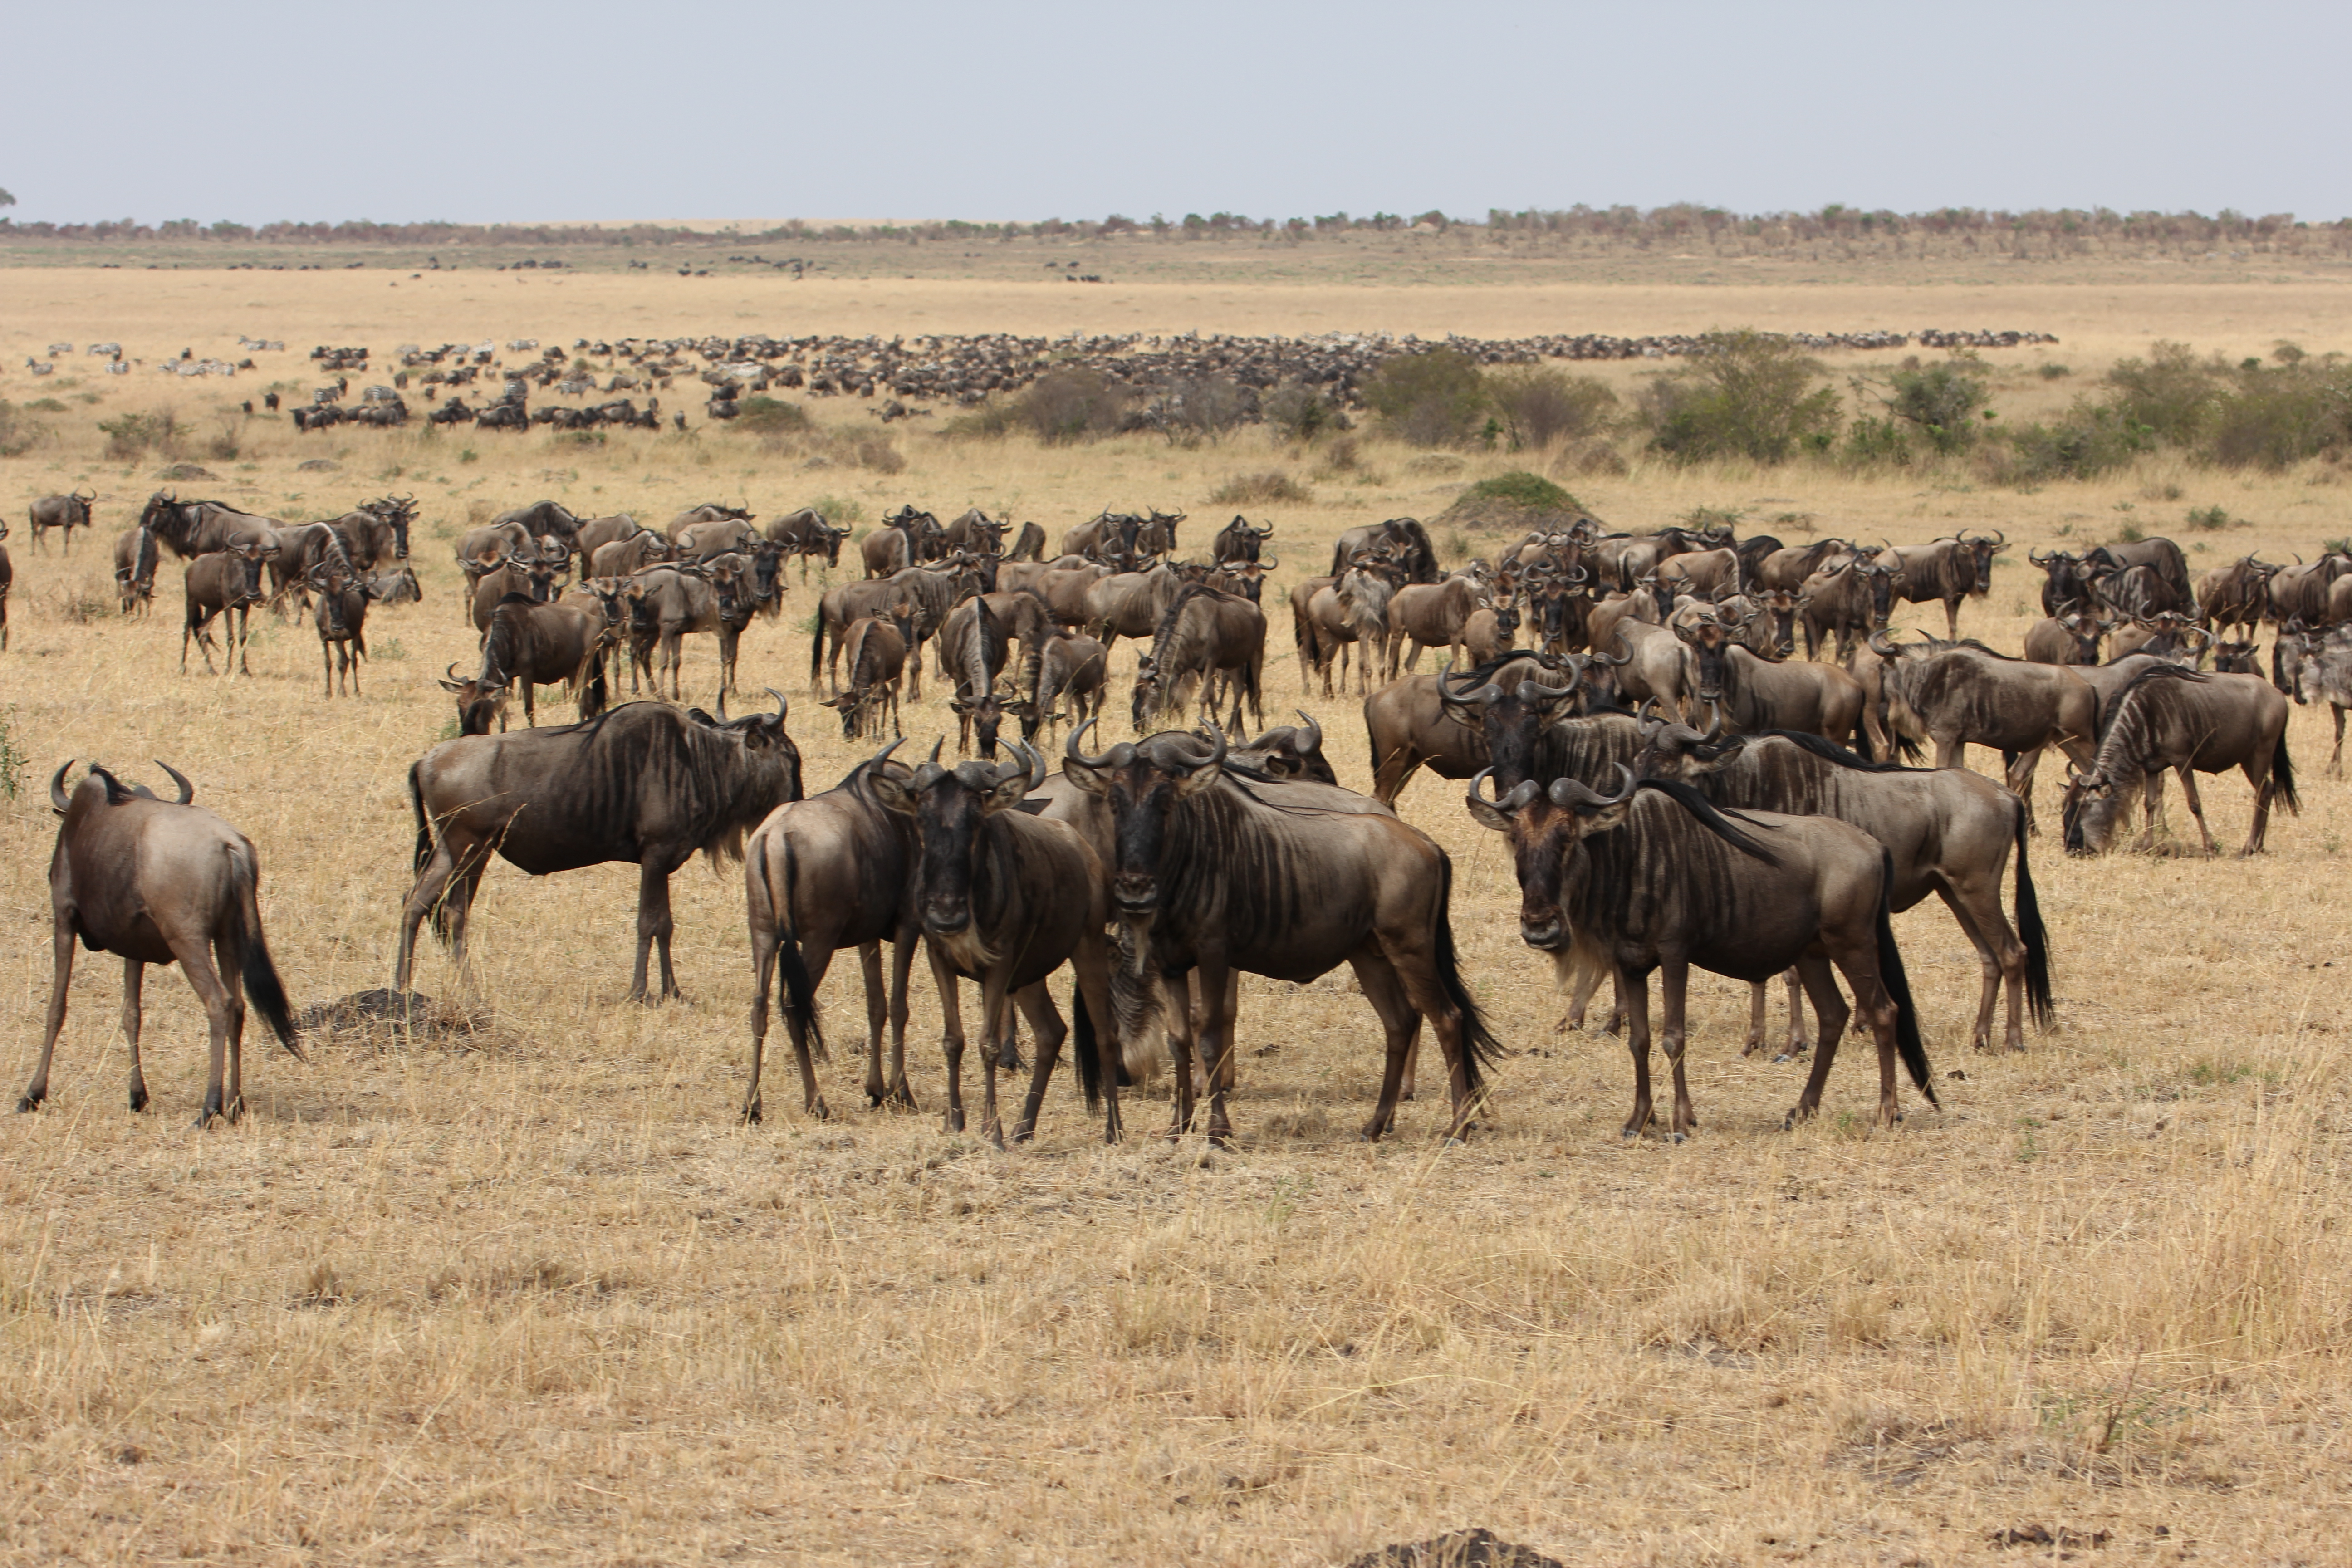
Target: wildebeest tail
{"x": 2283, "y": 775}
{"x": 595, "y": 696}
{"x": 1082, "y": 1030}
{"x": 262, "y": 986}
{"x": 1907, "y": 1042}
{"x": 1480, "y": 1047}
{"x": 2030, "y": 932}
{"x": 816, "y": 649}
{"x": 795, "y": 992}
{"x": 424, "y": 827}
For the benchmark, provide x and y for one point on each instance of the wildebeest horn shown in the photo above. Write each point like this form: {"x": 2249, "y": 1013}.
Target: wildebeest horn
{"x": 1116, "y": 756}
{"x": 1619, "y": 641}
{"x": 1507, "y": 804}
{"x": 453, "y": 672}
{"x": 1714, "y": 728}
{"x": 1645, "y": 724}
{"x": 878, "y": 758}
{"x": 1880, "y": 646}
{"x": 187, "y": 790}
{"x": 1572, "y": 793}
{"x": 1314, "y": 731}
{"x": 1217, "y": 756}
{"x": 781, "y": 704}
{"x": 59, "y": 799}
{"x": 1036, "y": 764}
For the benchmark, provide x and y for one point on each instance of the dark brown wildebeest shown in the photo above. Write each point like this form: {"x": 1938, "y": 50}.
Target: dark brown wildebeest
{"x": 160, "y": 882}
{"x": 1211, "y": 877}
{"x": 1948, "y": 831}
{"x": 843, "y": 607}
{"x": 1416, "y": 722}
{"x": 2072, "y": 639}
{"x": 193, "y": 528}
{"x": 1849, "y": 602}
{"x": 65, "y": 512}
{"x": 1954, "y": 694}
{"x": 878, "y": 650}
{"x": 1073, "y": 669}
{"x": 8, "y": 581}
{"x": 1655, "y": 877}
{"x": 2236, "y": 659}
{"x": 1029, "y": 544}
{"x": 642, "y": 784}
{"x": 973, "y": 650}
{"x": 2067, "y": 588}
{"x": 820, "y": 875}
{"x": 541, "y": 519}
{"x": 340, "y": 615}
{"x": 1756, "y": 694}
{"x": 2235, "y": 594}
{"x": 598, "y": 532}
{"x": 2173, "y": 718}
{"x": 1786, "y": 569}
{"x": 1431, "y": 614}
{"x": 1060, "y": 585}
{"x": 536, "y": 580}
{"x": 2140, "y": 593}
{"x": 673, "y": 602}
{"x": 806, "y": 533}
{"x": 1237, "y": 540}
{"x": 2160, "y": 555}
{"x": 2324, "y": 675}
{"x": 1404, "y": 537}
{"x": 975, "y": 531}
{"x": 700, "y": 541}
{"x": 1945, "y": 571}
{"x": 1207, "y": 640}
{"x": 1005, "y": 898}
{"x": 227, "y": 582}
{"x": 375, "y": 533}
{"x": 2299, "y": 592}
{"x": 898, "y": 543}
{"x": 400, "y": 587}
{"x": 622, "y": 557}
{"x": 529, "y": 645}
{"x": 302, "y": 549}
{"x": 1107, "y": 537}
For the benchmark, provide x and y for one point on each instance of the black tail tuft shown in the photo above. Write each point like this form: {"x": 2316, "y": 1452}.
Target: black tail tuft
{"x": 262, "y": 986}
{"x": 795, "y": 992}
{"x": 595, "y": 696}
{"x": 1480, "y": 1048}
{"x": 1082, "y": 1030}
{"x": 816, "y": 650}
{"x": 1907, "y": 1042}
{"x": 2036, "y": 939}
{"x": 2282, "y": 775}
{"x": 1906, "y": 750}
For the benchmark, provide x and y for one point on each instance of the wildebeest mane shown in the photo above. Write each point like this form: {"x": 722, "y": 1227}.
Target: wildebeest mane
{"x": 1829, "y": 750}
{"x": 1722, "y": 823}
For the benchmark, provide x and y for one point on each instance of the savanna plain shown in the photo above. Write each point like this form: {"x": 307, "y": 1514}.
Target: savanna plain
{"x": 533, "y": 1293}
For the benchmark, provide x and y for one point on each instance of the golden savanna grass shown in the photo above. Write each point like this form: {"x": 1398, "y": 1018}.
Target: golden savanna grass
{"x": 534, "y": 1294}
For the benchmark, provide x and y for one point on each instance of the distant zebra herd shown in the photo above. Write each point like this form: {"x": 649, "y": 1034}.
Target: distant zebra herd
{"x": 1676, "y": 787}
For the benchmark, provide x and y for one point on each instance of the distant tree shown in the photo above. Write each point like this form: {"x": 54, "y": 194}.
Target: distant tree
{"x": 6, "y": 199}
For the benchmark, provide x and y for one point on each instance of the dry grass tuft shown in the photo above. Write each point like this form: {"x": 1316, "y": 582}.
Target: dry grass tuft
{"x": 1271, "y": 488}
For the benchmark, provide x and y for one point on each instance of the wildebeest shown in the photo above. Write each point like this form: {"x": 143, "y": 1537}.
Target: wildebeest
{"x": 672, "y": 603}
{"x": 2072, "y": 639}
{"x": 1205, "y": 638}
{"x": 543, "y": 519}
{"x": 819, "y": 875}
{"x": 160, "y": 882}
{"x": 2170, "y": 634}
{"x": 1948, "y": 831}
{"x": 1348, "y": 612}
{"x": 65, "y": 512}
{"x": 2067, "y": 588}
{"x": 400, "y": 587}
{"x": 1029, "y": 544}
{"x": 843, "y": 607}
{"x": 339, "y": 616}
{"x": 2161, "y": 556}
{"x": 8, "y": 581}
{"x": 536, "y": 580}
{"x": 1431, "y": 614}
{"x": 1404, "y": 537}
{"x": 1756, "y": 694}
{"x": 805, "y": 533}
{"x": 642, "y": 784}
{"x": 595, "y": 533}
{"x": 2139, "y": 592}
{"x": 136, "y": 557}
{"x": 1945, "y": 571}
{"x": 898, "y": 543}
{"x": 1848, "y": 601}
{"x": 974, "y": 649}
{"x": 193, "y": 528}
{"x": 2300, "y": 591}
{"x": 1071, "y": 669}
{"x": 1130, "y": 604}
{"x": 224, "y": 582}
{"x": 1655, "y": 877}
{"x": 529, "y": 645}
{"x": 1006, "y": 899}
{"x": 2235, "y": 594}
{"x": 1237, "y": 540}
{"x": 2326, "y": 676}
{"x": 631, "y": 553}
{"x": 2173, "y": 718}
{"x": 1786, "y": 569}
{"x": 1954, "y": 694}
{"x": 878, "y": 650}
{"x": 1209, "y": 876}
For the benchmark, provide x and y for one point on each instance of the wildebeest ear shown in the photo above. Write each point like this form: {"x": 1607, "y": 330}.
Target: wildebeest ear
{"x": 892, "y": 792}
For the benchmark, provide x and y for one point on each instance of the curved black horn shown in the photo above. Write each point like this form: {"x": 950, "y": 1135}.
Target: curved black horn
{"x": 1645, "y": 721}
{"x": 1217, "y": 756}
{"x": 58, "y": 796}
{"x": 187, "y": 790}
{"x": 1507, "y": 804}
{"x": 1880, "y": 646}
{"x": 878, "y": 758}
{"x": 1575, "y": 792}
{"x": 1715, "y": 726}
{"x": 1070, "y": 749}
{"x": 781, "y": 704}
{"x": 1314, "y": 731}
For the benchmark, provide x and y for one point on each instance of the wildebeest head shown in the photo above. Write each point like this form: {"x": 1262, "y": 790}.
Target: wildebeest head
{"x": 2093, "y": 806}
{"x": 1710, "y": 642}
{"x": 1675, "y": 750}
{"x": 1544, "y": 827}
{"x": 2235, "y": 658}
{"x": 480, "y": 699}
{"x": 115, "y": 791}
{"x": 1510, "y": 718}
{"x": 1980, "y": 548}
{"x": 395, "y": 512}
{"x": 1286, "y": 752}
{"x": 1142, "y": 783}
{"x": 949, "y": 806}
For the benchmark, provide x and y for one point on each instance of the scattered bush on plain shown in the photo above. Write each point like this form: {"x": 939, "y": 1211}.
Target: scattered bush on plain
{"x": 1747, "y": 394}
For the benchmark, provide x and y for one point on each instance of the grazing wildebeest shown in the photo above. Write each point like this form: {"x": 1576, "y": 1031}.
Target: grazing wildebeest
{"x": 1403, "y": 537}
{"x": 193, "y": 528}
{"x": 65, "y": 512}
{"x": 2235, "y": 594}
{"x": 598, "y": 532}
{"x": 1787, "y": 569}
{"x": 136, "y": 556}
{"x": 1756, "y": 694}
{"x": 1653, "y": 877}
{"x": 160, "y": 882}
{"x": 1237, "y": 540}
{"x": 806, "y": 533}
{"x": 820, "y": 875}
{"x": 227, "y": 582}
{"x": 1945, "y": 571}
{"x": 2072, "y": 639}
{"x": 1212, "y": 877}
{"x": 1206, "y": 639}
{"x": 1947, "y": 830}
{"x": 538, "y": 580}
{"x": 2067, "y": 589}
{"x": 708, "y": 511}
{"x": 878, "y": 650}
{"x": 2170, "y": 717}
{"x": 2324, "y": 676}
{"x": 1072, "y": 667}
{"x": 1954, "y": 694}
{"x": 529, "y": 645}
{"x": 1130, "y": 604}
{"x": 8, "y": 581}
{"x": 1005, "y": 898}
{"x": 642, "y": 784}
{"x": 400, "y": 587}
{"x": 843, "y": 607}
{"x": 1431, "y": 614}
{"x": 1029, "y": 544}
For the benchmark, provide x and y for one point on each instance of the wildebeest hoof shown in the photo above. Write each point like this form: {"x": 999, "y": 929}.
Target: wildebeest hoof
{"x": 27, "y": 1103}
{"x": 137, "y": 1100}
{"x": 1677, "y": 1137}
{"x": 751, "y": 1116}
{"x": 817, "y": 1109}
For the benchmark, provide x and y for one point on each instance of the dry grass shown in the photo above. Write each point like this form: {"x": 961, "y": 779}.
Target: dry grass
{"x": 529, "y": 1292}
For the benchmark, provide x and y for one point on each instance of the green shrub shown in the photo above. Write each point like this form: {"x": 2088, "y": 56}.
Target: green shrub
{"x": 1940, "y": 401}
{"x": 2208, "y": 519}
{"x": 1746, "y": 395}
{"x": 1300, "y": 412}
{"x": 1711, "y": 516}
{"x": 2090, "y": 439}
{"x": 1515, "y": 500}
{"x": 129, "y": 436}
{"x": 1538, "y": 407}
{"x": 1435, "y": 397}
{"x": 763, "y": 416}
{"x": 2274, "y": 418}
{"x": 2172, "y": 392}
{"x": 1520, "y": 487}
{"x": 839, "y": 510}
{"x": 1873, "y": 443}
{"x": 1071, "y": 404}
{"x": 2051, "y": 370}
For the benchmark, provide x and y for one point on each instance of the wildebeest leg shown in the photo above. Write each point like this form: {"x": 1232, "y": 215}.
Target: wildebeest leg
{"x": 1176, "y": 1002}
{"x": 1579, "y": 979}
{"x": 61, "y": 980}
{"x": 1673, "y": 997}
{"x": 764, "y": 941}
{"x": 327, "y": 658}
{"x": 995, "y": 1006}
{"x": 224, "y": 1010}
{"x": 654, "y": 922}
{"x": 2197, "y": 806}
{"x": 951, "y": 1033}
{"x": 530, "y": 710}
{"x": 452, "y": 874}
{"x": 1091, "y": 964}
{"x": 241, "y": 636}
{"x": 2335, "y": 758}
{"x": 1798, "y": 1044}
{"x": 1830, "y": 1009}
{"x": 1047, "y": 1032}
{"x": 1385, "y": 990}
{"x": 2020, "y": 781}
{"x": 1759, "y": 1002}
{"x": 1217, "y": 1034}
{"x": 134, "y": 974}
{"x": 902, "y": 960}
{"x": 1633, "y": 994}
{"x": 2000, "y": 957}
{"x": 2151, "y": 799}
{"x": 1952, "y": 620}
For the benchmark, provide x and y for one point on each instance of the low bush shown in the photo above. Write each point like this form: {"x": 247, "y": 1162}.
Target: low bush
{"x": 762, "y": 416}
{"x": 1301, "y": 413}
{"x": 1435, "y": 397}
{"x": 1261, "y": 489}
{"x": 1065, "y": 405}
{"x": 2091, "y": 439}
{"x": 1746, "y": 395}
{"x": 1515, "y": 500}
{"x": 129, "y": 436}
{"x": 1539, "y": 406}
{"x": 2208, "y": 519}
{"x": 18, "y": 434}
{"x": 2171, "y": 393}
{"x": 1940, "y": 401}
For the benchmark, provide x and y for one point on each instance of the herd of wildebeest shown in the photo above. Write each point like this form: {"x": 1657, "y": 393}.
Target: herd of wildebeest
{"x": 1676, "y": 787}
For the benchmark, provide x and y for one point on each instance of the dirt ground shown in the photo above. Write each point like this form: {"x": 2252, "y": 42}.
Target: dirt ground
{"x": 533, "y": 1293}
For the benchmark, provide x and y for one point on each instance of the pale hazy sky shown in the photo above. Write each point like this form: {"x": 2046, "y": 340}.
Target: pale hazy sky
{"x": 907, "y": 109}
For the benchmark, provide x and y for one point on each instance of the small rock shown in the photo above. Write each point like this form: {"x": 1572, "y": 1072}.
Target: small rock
{"x": 318, "y": 466}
